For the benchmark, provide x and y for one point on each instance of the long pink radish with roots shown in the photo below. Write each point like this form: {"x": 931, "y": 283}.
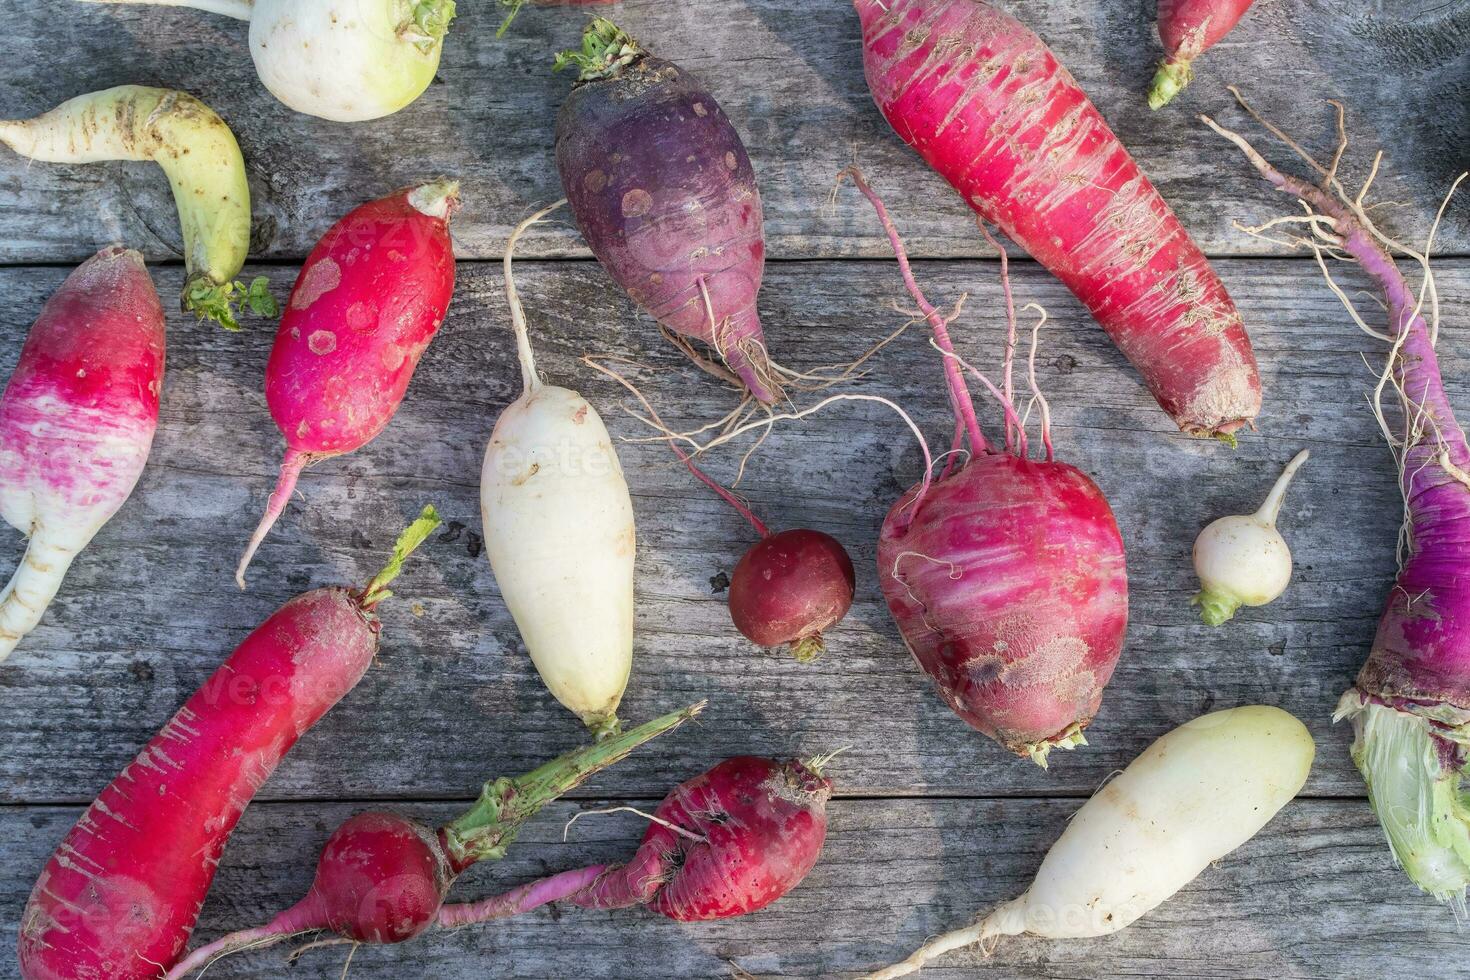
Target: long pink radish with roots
{"x": 1410, "y": 706}
{"x": 121, "y": 894}
{"x": 1007, "y": 575}
{"x": 1188, "y": 29}
{"x": 365, "y": 306}
{"x": 382, "y": 877}
{"x": 987, "y": 105}
{"x": 789, "y": 587}
{"x": 726, "y": 843}
{"x": 664, "y": 193}
{"x": 76, "y": 424}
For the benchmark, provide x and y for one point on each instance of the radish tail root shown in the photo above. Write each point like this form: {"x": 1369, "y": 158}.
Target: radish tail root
{"x": 524, "y": 899}
{"x": 530, "y": 381}
{"x": 291, "y": 468}
{"x": 32, "y": 587}
{"x": 303, "y": 917}
{"x": 1008, "y": 920}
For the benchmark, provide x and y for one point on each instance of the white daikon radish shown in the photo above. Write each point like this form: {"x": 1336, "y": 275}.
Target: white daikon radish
{"x": 559, "y": 533}
{"x": 1191, "y": 798}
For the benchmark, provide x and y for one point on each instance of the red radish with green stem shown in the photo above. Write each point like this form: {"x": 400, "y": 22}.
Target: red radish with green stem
{"x": 1188, "y": 29}
{"x": 120, "y": 896}
{"x": 76, "y": 423}
{"x": 663, "y": 191}
{"x": 365, "y": 306}
{"x": 989, "y": 106}
{"x": 382, "y": 877}
{"x": 1007, "y": 576}
{"x": 726, "y": 843}
{"x": 1410, "y": 706}
{"x": 790, "y": 587}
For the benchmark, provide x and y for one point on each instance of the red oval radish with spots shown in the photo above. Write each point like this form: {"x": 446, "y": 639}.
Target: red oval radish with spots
{"x": 1188, "y": 29}
{"x": 664, "y": 193}
{"x": 120, "y": 896}
{"x": 989, "y": 106}
{"x": 365, "y": 306}
{"x": 727, "y": 842}
{"x": 76, "y": 423}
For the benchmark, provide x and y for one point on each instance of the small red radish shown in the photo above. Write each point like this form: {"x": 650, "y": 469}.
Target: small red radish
{"x": 76, "y": 423}
{"x": 120, "y": 896}
{"x": 382, "y": 877}
{"x": 1188, "y": 29}
{"x": 664, "y": 193}
{"x": 987, "y": 105}
{"x": 368, "y": 301}
{"x": 1006, "y": 577}
{"x": 727, "y": 842}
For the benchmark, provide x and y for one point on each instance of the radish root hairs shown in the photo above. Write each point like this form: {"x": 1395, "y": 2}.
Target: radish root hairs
{"x": 1410, "y": 704}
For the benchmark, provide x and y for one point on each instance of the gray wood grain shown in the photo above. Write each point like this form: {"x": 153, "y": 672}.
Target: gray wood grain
{"x": 790, "y": 74}
{"x": 150, "y": 610}
{"x": 1315, "y": 895}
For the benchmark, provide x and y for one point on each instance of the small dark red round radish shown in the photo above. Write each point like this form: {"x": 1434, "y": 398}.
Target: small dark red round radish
{"x": 381, "y": 878}
{"x": 789, "y": 588}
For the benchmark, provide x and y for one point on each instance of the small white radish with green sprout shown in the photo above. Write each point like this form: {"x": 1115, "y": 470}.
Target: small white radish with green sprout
{"x": 341, "y": 61}
{"x": 559, "y": 533}
{"x": 202, "y": 161}
{"x": 1243, "y": 560}
{"x": 1191, "y": 798}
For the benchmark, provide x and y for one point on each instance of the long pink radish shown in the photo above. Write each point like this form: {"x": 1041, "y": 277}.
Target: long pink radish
{"x": 76, "y": 424}
{"x": 365, "y": 306}
{"x": 1188, "y": 29}
{"x": 120, "y": 896}
{"x": 989, "y": 106}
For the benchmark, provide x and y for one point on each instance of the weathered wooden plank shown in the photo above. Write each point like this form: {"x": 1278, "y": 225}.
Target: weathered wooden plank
{"x": 1314, "y": 895}
{"x": 790, "y": 74}
{"x": 150, "y": 609}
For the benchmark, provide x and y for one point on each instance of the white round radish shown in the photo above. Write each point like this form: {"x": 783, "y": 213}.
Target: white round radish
{"x": 1191, "y": 798}
{"x": 1243, "y": 560}
{"x": 348, "y": 60}
{"x": 559, "y": 533}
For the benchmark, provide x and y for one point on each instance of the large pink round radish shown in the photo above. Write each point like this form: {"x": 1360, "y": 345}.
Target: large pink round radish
{"x": 365, "y": 306}
{"x": 76, "y": 423}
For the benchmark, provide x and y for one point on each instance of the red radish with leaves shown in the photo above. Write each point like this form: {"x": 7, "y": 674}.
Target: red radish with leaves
{"x": 1007, "y": 576}
{"x": 368, "y": 301}
{"x": 1188, "y": 29}
{"x": 987, "y": 105}
{"x": 76, "y": 424}
{"x": 664, "y": 193}
{"x": 382, "y": 877}
{"x": 726, "y": 843}
{"x": 1410, "y": 706}
{"x": 119, "y": 897}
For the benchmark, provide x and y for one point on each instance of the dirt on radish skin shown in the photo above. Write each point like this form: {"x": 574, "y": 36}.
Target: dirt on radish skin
{"x": 76, "y": 424}
{"x": 664, "y": 193}
{"x": 987, "y": 104}
{"x": 365, "y": 307}
{"x": 121, "y": 894}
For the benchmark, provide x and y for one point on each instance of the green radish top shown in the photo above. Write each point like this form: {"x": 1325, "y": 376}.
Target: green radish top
{"x": 412, "y": 536}
{"x": 606, "y": 50}
{"x": 429, "y": 21}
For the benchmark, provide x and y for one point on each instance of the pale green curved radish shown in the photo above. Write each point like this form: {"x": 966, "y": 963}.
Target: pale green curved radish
{"x": 345, "y": 60}
{"x": 559, "y": 534}
{"x": 199, "y": 155}
{"x": 1189, "y": 799}
{"x": 1242, "y": 560}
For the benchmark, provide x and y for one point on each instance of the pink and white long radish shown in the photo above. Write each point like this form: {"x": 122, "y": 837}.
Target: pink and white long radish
{"x": 76, "y": 423}
{"x": 365, "y": 307}
{"x": 559, "y": 533}
{"x": 1007, "y": 576}
{"x": 344, "y": 62}
{"x": 382, "y": 877}
{"x": 664, "y": 193}
{"x": 198, "y": 154}
{"x": 1191, "y": 798}
{"x": 1410, "y": 704}
{"x": 1188, "y": 29}
{"x": 726, "y": 843}
{"x": 120, "y": 896}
